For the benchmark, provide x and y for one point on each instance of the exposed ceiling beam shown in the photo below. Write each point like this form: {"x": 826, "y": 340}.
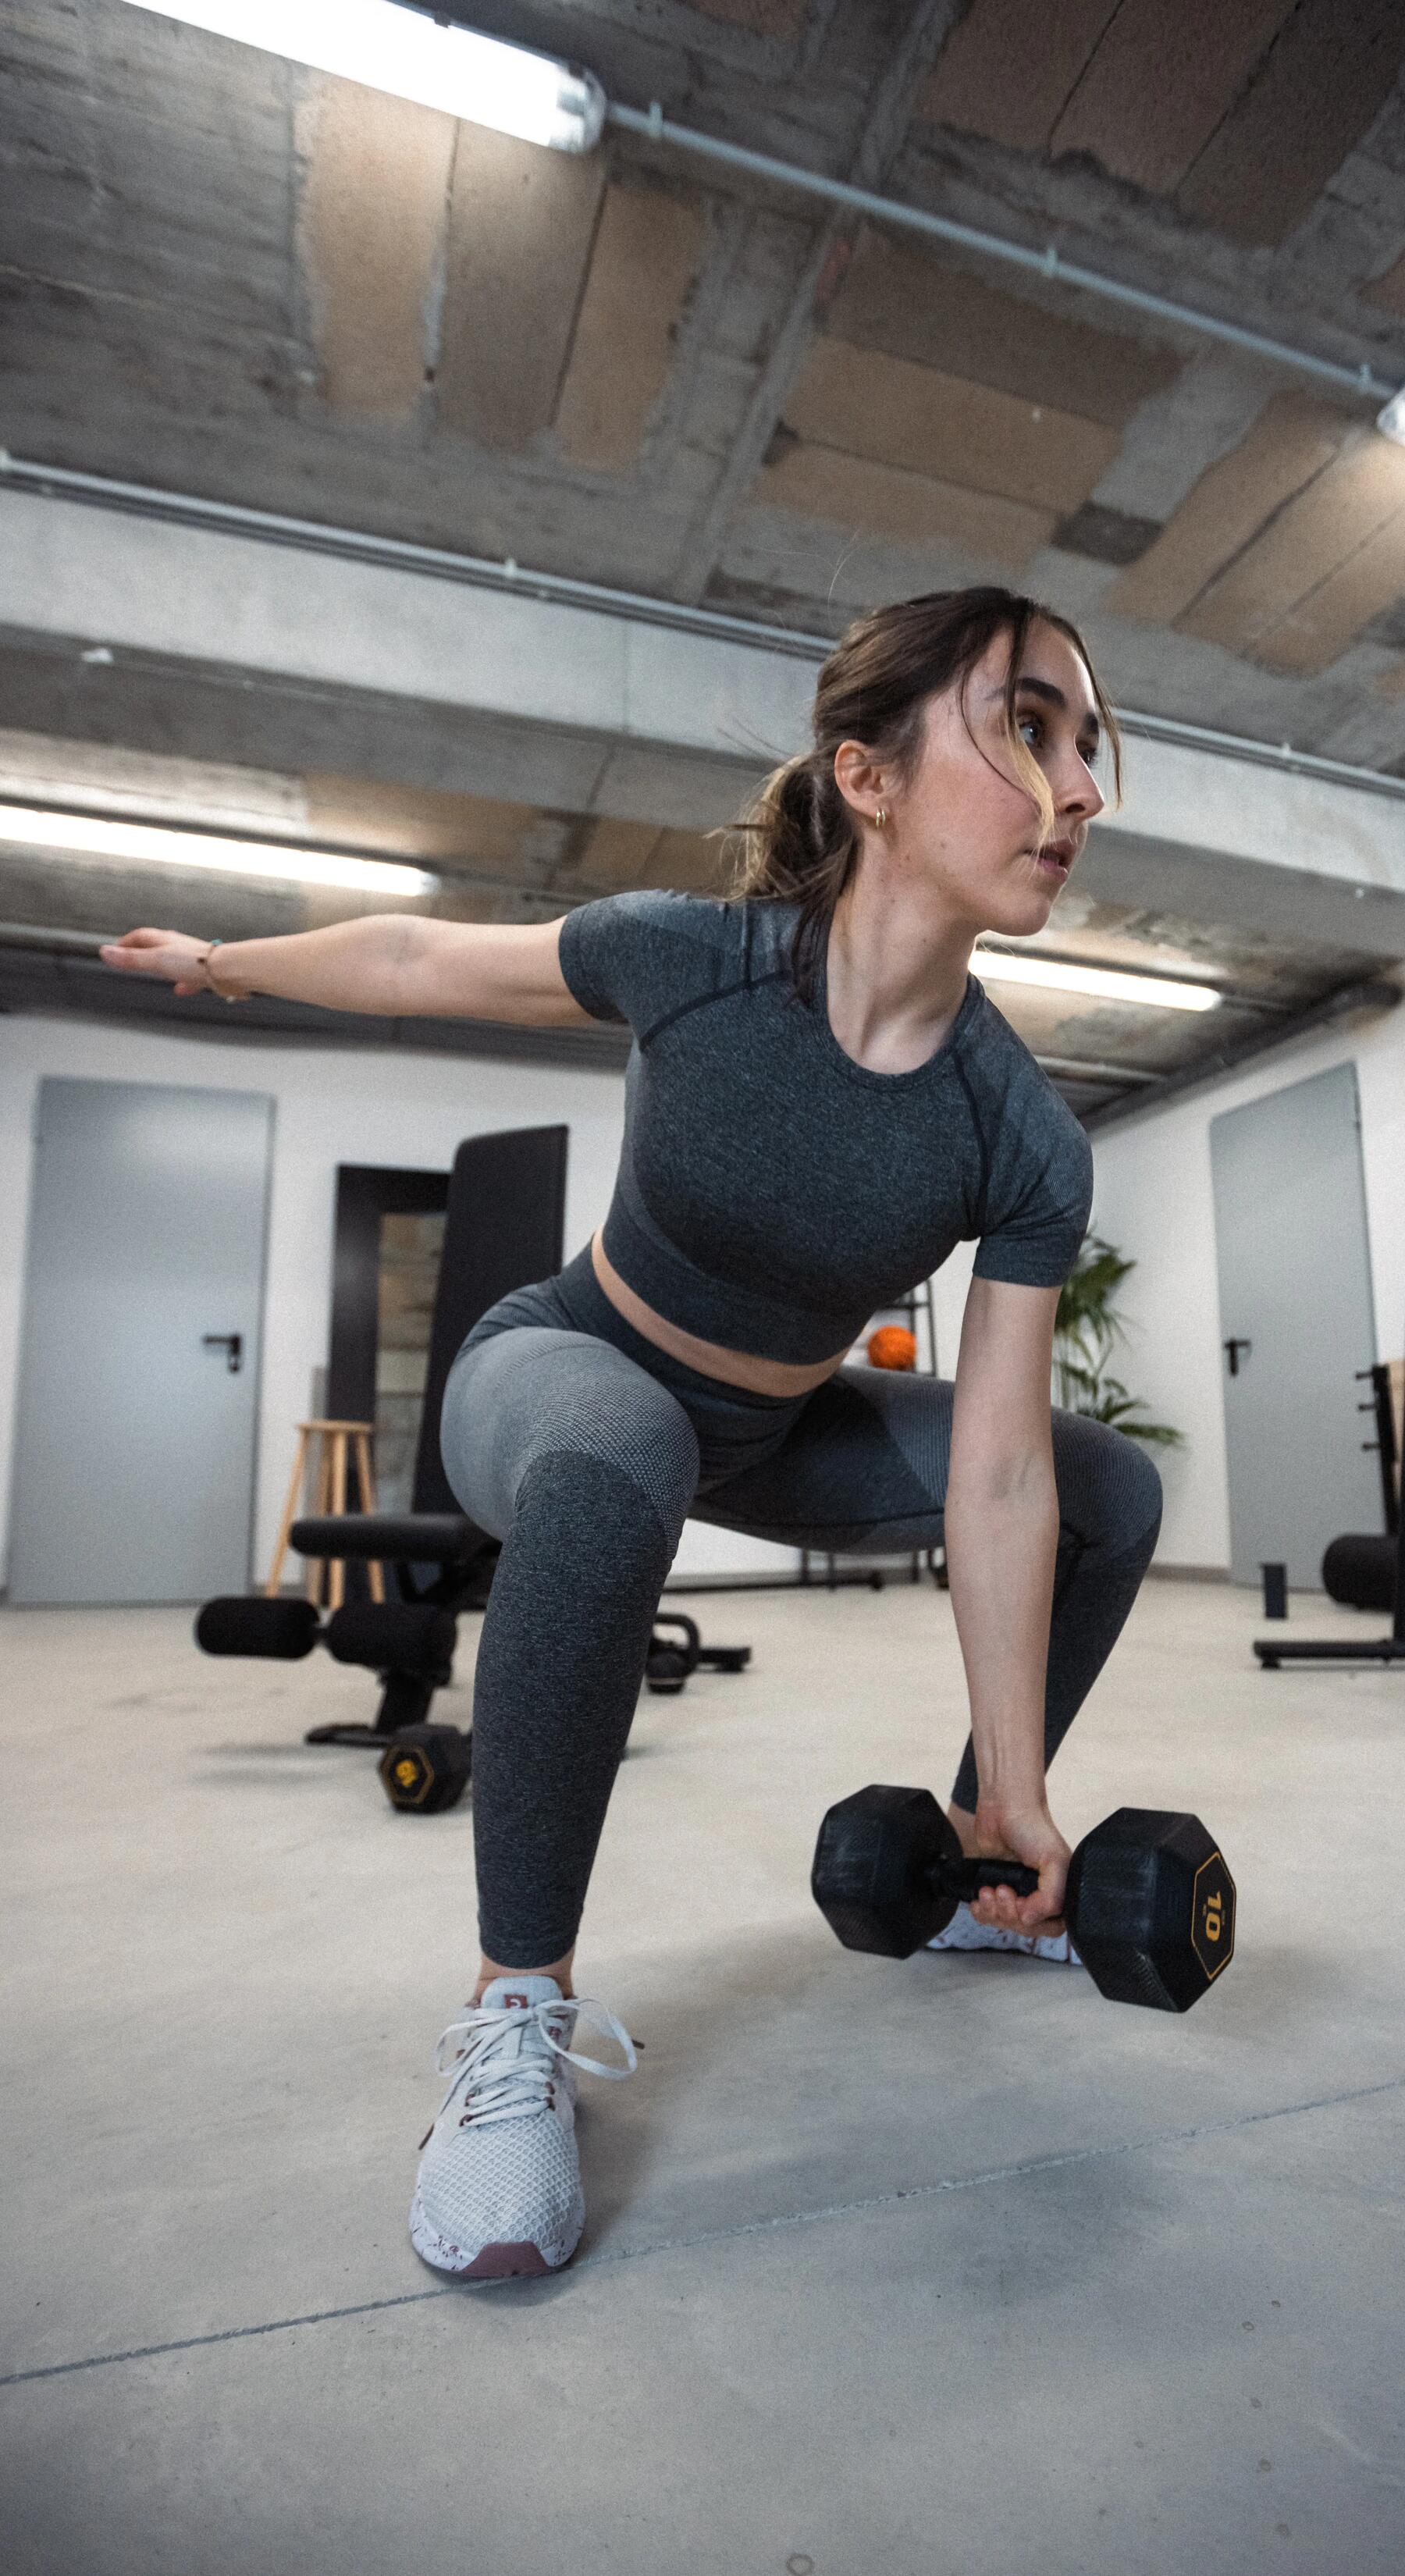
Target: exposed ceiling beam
{"x": 593, "y": 712}
{"x": 512, "y": 580}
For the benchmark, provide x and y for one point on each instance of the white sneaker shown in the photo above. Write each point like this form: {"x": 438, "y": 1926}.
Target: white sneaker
{"x": 499, "y": 2186}
{"x": 963, "y": 1932}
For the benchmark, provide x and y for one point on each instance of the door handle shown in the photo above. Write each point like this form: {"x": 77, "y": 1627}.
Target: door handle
{"x": 232, "y": 1343}
{"x": 1233, "y": 1347}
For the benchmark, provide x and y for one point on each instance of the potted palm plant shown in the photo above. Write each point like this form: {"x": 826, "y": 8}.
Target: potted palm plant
{"x": 1087, "y": 1328}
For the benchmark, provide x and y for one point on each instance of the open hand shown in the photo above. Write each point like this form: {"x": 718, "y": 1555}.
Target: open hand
{"x": 1029, "y": 1835}
{"x": 167, "y": 954}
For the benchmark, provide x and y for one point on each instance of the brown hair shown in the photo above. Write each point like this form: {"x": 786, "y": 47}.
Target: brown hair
{"x": 798, "y": 839}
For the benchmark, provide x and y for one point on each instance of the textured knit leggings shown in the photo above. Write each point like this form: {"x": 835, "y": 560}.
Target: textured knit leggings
{"x": 584, "y": 1449}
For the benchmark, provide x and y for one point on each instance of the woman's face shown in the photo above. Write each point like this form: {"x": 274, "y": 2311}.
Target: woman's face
{"x": 961, "y": 820}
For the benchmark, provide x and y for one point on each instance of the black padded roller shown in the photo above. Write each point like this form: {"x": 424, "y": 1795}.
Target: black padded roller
{"x": 1360, "y": 1570}
{"x": 394, "y": 1636}
{"x": 235, "y": 1625}
{"x": 400, "y": 1538}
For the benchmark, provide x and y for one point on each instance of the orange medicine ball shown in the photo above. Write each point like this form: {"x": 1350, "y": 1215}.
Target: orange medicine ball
{"x": 893, "y": 1347}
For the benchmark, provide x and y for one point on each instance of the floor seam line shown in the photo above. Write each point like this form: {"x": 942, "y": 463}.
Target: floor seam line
{"x": 226, "y": 2334}
{"x": 904, "y": 2196}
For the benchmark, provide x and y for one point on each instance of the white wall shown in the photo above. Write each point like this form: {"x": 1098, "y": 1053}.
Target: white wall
{"x": 332, "y": 1106}
{"x": 1153, "y": 1199}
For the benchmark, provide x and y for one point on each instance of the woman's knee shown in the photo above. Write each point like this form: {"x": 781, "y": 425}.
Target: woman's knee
{"x": 628, "y": 1455}
{"x": 1109, "y": 1488}
{"x": 528, "y": 1405}
{"x": 1147, "y": 1485}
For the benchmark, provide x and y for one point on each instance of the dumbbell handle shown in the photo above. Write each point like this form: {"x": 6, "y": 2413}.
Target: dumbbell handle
{"x": 965, "y": 1879}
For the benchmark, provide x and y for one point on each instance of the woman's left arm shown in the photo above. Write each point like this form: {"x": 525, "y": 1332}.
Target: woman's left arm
{"x": 1002, "y": 1525}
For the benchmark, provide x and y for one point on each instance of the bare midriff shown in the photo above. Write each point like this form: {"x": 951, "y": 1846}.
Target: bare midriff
{"x": 710, "y": 1359}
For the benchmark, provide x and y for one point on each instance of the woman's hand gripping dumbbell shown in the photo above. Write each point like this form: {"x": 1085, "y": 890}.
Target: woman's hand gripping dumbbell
{"x": 1150, "y": 1903}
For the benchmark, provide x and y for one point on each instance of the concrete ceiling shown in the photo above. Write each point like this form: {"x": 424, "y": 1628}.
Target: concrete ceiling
{"x": 227, "y": 276}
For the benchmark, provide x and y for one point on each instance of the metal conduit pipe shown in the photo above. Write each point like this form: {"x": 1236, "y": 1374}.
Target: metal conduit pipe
{"x": 1095, "y": 1071}
{"x": 655, "y": 127}
{"x": 486, "y": 572}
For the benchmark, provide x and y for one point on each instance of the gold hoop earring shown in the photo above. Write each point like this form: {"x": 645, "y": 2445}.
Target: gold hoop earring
{"x": 881, "y": 816}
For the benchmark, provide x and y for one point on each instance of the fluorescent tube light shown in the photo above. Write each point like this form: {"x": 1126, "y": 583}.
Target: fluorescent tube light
{"x": 141, "y": 845}
{"x": 1104, "y": 983}
{"x": 387, "y": 47}
{"x": 1391, "y": 418}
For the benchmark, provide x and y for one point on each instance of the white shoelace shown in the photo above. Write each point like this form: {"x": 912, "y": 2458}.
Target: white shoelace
{"x": 508, "y": 2077}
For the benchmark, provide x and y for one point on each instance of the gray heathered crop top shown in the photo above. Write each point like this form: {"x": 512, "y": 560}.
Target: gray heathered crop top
{"x": 772, "y": 1194}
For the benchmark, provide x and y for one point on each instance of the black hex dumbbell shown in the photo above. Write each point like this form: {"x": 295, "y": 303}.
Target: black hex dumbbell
{"x": 1150, "y": 1903}
{"x": 426, "y": 1768}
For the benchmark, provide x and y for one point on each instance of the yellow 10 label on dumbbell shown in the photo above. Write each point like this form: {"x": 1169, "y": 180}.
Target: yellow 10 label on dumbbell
{"x": 1213, "y": 1915}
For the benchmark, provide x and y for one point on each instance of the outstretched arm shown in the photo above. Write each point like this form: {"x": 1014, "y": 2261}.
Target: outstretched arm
{"x": 393, "y": 963}
{"x": 1002, "y": 1527}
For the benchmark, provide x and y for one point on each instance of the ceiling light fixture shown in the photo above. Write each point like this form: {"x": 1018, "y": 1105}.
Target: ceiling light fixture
{"x": 141, "y": 845}
{"x": 1102, "y": 983}
{"x": 388, "y": 47}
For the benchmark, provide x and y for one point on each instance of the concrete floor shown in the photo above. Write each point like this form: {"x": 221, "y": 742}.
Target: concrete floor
{"x": 890, "y": 2269}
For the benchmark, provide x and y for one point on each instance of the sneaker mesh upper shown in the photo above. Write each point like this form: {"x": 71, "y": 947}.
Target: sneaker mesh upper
{"x": 500, "y": 2164}
{"x": 513, "y": 2183}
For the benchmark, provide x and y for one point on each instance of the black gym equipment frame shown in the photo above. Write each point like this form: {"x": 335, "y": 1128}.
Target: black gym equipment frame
{"x": 1273, "y": 1652}
{"x": 504, "y": 1222}
{"x": 1381, "y": 1403}
{"x": 504, "y": 1212}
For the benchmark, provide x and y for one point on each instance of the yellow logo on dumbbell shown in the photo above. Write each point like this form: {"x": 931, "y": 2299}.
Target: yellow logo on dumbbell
{"x": 1213, "y": 1920}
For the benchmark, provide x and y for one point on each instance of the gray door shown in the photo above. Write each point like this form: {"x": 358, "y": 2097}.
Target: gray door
{"x": 134, "y": 1458}
{"x": 1296, "y": 1322}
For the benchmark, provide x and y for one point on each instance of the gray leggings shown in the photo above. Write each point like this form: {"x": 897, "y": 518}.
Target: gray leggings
{"x": 569, "y": 1437}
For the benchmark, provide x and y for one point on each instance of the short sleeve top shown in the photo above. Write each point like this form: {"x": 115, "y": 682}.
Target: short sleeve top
{"x": 773, "y": 1194}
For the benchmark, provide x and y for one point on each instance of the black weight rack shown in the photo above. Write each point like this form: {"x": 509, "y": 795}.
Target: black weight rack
{"x": 1273, "y": 1652}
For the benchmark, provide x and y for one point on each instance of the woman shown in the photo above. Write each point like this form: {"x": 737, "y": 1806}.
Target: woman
{"x": 821, "y": 1102}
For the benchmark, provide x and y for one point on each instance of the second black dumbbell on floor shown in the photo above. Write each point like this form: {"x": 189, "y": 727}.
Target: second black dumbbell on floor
{"x": 1150, "y": 1903}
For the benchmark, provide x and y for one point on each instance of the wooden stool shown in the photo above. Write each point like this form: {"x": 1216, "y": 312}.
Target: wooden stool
{"x": 324, "y": 1573}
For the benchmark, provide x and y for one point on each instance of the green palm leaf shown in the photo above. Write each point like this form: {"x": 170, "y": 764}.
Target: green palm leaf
{"x": 1087, "y": 1328}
